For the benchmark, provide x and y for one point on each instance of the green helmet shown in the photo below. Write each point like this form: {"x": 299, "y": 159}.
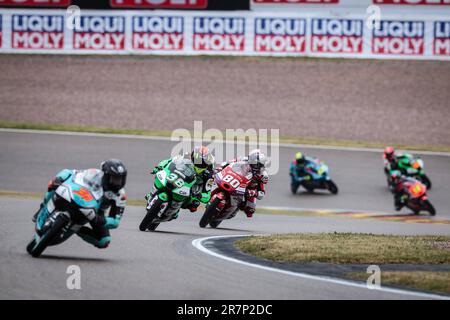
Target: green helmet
{"x": 202, "y": 158}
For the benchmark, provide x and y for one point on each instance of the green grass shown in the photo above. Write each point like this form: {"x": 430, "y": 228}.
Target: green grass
{"x": 432, "y": 281}
{"x": 167, "y": 133}
{"x": 348, "y": 248}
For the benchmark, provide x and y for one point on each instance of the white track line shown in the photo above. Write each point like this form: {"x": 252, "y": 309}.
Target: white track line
{"x": 198, "y": 243}
{"x": 158, "y": 138}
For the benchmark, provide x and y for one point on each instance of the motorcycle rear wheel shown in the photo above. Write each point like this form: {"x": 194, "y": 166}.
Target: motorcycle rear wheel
{"x": 210, "y": 211}
{"x": 147, "y": 222}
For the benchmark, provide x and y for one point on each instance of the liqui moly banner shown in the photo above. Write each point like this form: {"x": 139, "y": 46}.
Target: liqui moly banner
{"x": 158, "y": 33}
{"x": 225, "y": 33}
{"x": 441, "y": 41}
{"x": 37, "y": 32}
{"x": 280, "y": 35}
{"x": 219, "y": 34}
{"x": 342, "y": 36}
{"x": 399, "y": 38}
{"x": 100, "y": 33}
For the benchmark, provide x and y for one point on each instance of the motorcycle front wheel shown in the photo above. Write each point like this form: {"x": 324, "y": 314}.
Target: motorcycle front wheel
{"x": 211, "y": 210}
{"x": 36, "y": 249}
{"x": 152, "y": 213}
{"x": 332, "y": 187}
{"x": 429, "y": 207}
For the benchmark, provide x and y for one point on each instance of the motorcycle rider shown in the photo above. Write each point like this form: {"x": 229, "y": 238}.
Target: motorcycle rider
{"x": 111, "y": 178}
{"x": 390, "y": 159}
{"x": 299, "y": 165}
{"x": 399, "y": 183}
{"x": 256, "y": 189}
{"x": 203, "y": 163}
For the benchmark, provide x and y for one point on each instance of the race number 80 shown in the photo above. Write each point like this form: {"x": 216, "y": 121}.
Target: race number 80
{"x": 231, "y": 180}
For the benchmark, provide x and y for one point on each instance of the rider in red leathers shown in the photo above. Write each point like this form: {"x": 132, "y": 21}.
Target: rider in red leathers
{"x": 256, "y": 189}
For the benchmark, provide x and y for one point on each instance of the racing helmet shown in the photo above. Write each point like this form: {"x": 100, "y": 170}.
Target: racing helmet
{"x": 257, "y": 160}
{"x": 389, "y": 153}
{"x": 202, "y": 158}
{"x": 114, "y": 175}
{"x": 300, "y": 158}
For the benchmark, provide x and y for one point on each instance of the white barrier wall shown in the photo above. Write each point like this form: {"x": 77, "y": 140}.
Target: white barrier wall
{"x": 224, "y": 33}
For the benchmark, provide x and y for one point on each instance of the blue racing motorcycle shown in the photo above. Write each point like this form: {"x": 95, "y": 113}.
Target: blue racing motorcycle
{"x": 74, "y": 203}
{"x": 317, "y": 177}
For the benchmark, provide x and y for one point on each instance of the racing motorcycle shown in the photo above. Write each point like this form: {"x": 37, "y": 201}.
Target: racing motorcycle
{"x": 73, "y": 204}
{"x": 415, "y": 197}
{"x": 174, "y": 187}
{"x": 409, "y": 166}
{"x": 319, "y": 178}
{"x": 227, "y": 194}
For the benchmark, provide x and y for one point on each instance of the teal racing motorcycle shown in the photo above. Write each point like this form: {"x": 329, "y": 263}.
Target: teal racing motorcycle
{"x": 318, "y": 178}
{"x": 73, "y": 204}
{"x": 174, "y": 189}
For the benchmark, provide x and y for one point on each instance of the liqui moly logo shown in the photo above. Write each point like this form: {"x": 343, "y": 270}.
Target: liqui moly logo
{"x": 336, "y": 36}
{"x": 36, "y": 3}
{"x": 399, "y": 38}
{"x": 441, "y": 43}
{"x": 280, "y": 35}
{"x": 219, "y": 34}
{"x": 37, "y": 32}
{"x": 153, "y": 4}
{"x": 158, "y": 33}
{"x": 100, "y": 33}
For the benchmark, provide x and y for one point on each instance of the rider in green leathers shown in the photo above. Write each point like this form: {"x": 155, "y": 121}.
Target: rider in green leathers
{"x": 203, "y": 162}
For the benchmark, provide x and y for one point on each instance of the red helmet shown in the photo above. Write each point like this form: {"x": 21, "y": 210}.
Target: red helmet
{"x": 389, "y": 152}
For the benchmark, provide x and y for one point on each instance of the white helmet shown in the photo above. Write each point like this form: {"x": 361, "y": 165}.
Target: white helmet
{"x": 257, "y": 160}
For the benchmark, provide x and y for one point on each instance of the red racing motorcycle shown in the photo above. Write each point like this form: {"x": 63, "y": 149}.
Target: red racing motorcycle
{"x": 415, "y": 197}
{"x": 228, "y": 193}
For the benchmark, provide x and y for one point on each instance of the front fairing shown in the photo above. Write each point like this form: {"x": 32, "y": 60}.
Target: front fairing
{"x": 170, "y": 181}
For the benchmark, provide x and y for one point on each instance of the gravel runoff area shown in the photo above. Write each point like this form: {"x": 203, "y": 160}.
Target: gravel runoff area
{"x": 404, "y": 102}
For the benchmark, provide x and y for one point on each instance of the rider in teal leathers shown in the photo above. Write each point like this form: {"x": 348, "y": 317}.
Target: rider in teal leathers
{"x": 111, "y": 178}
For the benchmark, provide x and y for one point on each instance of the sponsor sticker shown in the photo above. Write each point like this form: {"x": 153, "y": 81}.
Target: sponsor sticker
{"x": 100, "y": 33}
{"x": 283, "y": 35}
{"x": 32, "y": 31}
{"x": 399, "y": 38}
{"x": 219, "y": 34}
{"x": 158, "y": 33}
{"x": 336, "y": 36}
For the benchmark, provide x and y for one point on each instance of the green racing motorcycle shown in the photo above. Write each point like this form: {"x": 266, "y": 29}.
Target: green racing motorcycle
{"x": 409, "y": 166}
{"x": 175, "y": 187}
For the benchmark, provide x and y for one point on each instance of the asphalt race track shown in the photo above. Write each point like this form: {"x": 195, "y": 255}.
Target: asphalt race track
{"x": 164, "y": 264}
